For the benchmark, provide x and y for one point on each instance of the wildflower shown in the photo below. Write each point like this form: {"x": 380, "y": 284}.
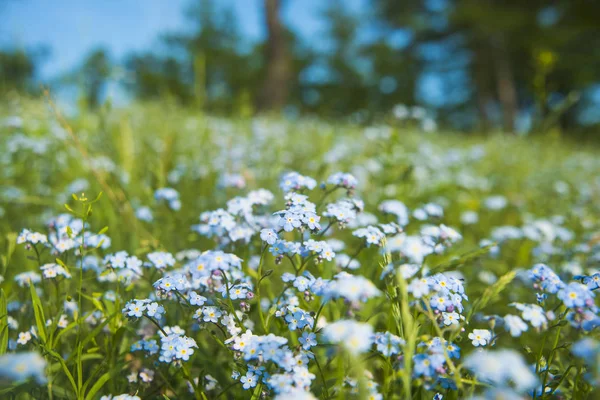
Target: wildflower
{"x": 155, "y": 310}
{"x": 371, "y": 234}
{"x": 451, "y": 318}
{"x": 24, "y": 338}
{"x": 469, "y": 217}
{"x": 427, "y": 364}
{"x": 196, "y": 299}
{"x": 480, "y": 337}
{"x": 175, "y": 346}
{"x": 350, "y": 287}
{"x": 387, "y": 343}
{"x": 211, "y": 314}
{"x": 495, "y": 202}
{"x": 21, "y": 366}
{"x": 50, "y": 271}
{"x": 27, "y": 278}
{"x": 500, "y": 368}
{"x": 427, "y": 211}
{"x": 592, "y": 282}
{"x": 269, "y": 236}
{"x": 576, "y": 295}
{"x": 135, "y": 308}
{"x": 27, "y": 236}
{"x": 288, "y": 221}
{"x": 343, "y": 211}
{"x": 144, "y": 214}
{"x": 161, "y": 260}
{"x": 169, "y": 195}
{"x": 249, "y": 380}
{"x": 587, "y": 349}
{"x": 396, "y": 208}
{"x": 419, "y": 287}
{"x": 295, "y": 181}
{"x": 344, "y": 180}
{"x": 308, "y": 340}
{"x": 312, "y": 221}
{"x": 415, "y": 249}
{"x": 532, "y": 313}
{"x": 356, "y": 337}
{"x": 344, "y": 261}
{"x": 514, "y": 325}
{"x": 63, "y": 322}
{"x": 548, "y": 280}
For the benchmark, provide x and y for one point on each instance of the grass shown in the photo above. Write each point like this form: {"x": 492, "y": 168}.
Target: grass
{"x": 127, "y": 154}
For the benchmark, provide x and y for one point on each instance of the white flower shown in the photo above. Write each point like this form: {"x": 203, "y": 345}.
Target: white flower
{"x": 480, "y": 337}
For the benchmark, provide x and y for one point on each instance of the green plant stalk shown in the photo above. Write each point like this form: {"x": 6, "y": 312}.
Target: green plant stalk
{"x": 439, "y": 332}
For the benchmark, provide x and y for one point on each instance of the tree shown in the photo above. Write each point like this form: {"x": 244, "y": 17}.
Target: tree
{"x": 94, "y": 74}
{"x": 506, "y": 43}
{"x": 153, "y": 77}
{"x": 17, "y": 70}
{"x": 275, "y": 88}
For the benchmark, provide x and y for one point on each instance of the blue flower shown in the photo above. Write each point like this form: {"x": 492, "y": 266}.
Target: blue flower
{"x": 161, "y": 260}
{"x": 424, "y": 364}
{"x": 308, "y": 340}
{"x": 151, "y": 346}
{"x": 576, "y": 295}
{"x": 295, "y": 181}
{"x": 155, "y": 310}
{"x": 249, "y": 380}
{"x": 137, "y": 346}
{"x": 592, "y": 282}
{"x": 345, "y": 180}
{"x": 135, "y": 308}
{"x": 196, "y": 299}
{"x": 269, "y": 236}
{"x": 480, "y": 337}
{"x": 387, "y": 343}
{"x": 170, "y": 195}
{"x": 144, "y": 214}
{"x": 289, "y": 220}
{"x": 22, "y": 366}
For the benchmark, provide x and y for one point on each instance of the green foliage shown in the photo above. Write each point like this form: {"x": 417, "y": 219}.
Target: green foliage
{"x": 124, "y": 155}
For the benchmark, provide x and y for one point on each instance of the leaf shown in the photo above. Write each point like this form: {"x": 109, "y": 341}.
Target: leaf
{"x": 11, "y": 244}
{"x": 94, "y": 300}
{"x": 69, "y": 327}
{"x": 492, "y": 291}
{"x": 65, "y": 369}
{"x": 3, "y": 323}
{"x": 461, "y": 260}
{"x": 103, "y": 230}
{"x": 38, "y": 312}
{"x": 62, "y": 264}
{"x": 97, "y": 386}
{"x": 95, "y": 332}
{"x": 79, "y": 363}
{"x": 97, "y": 198}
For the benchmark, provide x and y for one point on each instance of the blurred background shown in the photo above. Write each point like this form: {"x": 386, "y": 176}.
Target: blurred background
{"x": 473, "y": 65}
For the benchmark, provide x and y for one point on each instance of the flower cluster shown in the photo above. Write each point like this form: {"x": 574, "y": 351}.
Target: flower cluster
{"x": 170, "y": 196}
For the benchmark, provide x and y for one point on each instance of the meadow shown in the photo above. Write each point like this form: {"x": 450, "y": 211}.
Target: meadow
{"x": 153, "y": 252}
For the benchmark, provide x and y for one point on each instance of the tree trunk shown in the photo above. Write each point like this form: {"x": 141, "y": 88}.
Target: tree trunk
{"x": 483, "y": 92}
{"x": 276, "y": 85}
{"x": 507, "y": 92}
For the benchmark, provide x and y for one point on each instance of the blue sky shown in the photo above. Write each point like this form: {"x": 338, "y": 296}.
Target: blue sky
{"x": 71, "y": 28}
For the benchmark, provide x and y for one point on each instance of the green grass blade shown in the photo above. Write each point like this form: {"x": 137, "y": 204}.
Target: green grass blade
{"x": 38, "y": 311}
{"x": 3, "y": 323}
{"x": 97, "y": 386}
